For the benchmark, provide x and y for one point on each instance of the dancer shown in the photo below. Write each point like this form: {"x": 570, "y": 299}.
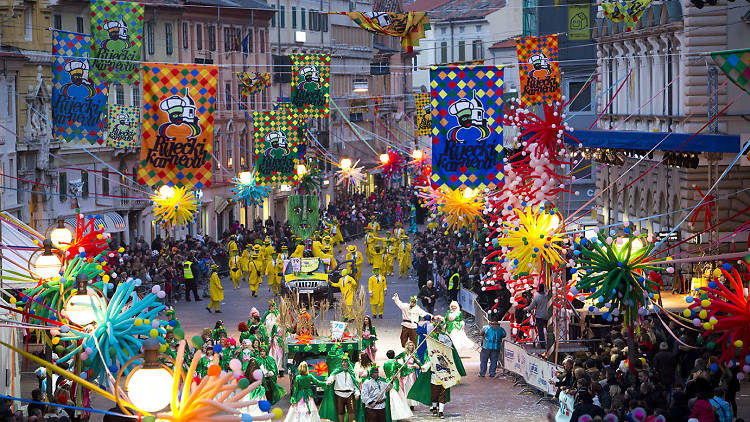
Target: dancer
{"x": 398, "y": 405}
{"x": 258, "y": 393}
{"x": 256, "y": 270}
{"x": 341, "y": 397}
{"x": 377, "y": 287}
{"x": 216, "y": 290}
{"x": 235, "y": 271}
{"x": 369, "y": 336}
{"x": 362, "y": 367}
{"x": 275, "y": 337}
{"x": 408, "y": 374}
{"x": 355, "y": 268}
{"x": 410, "y": 314}
{"x": 404, "y": 261}
{"x": 303, "y": 408}
{"x": 374, "y": 397}
{"x": 454, "y": 327}
{"x": 348, "y": 286}
{"x": 275, "y": 271}
{"x": 274, "y": 392}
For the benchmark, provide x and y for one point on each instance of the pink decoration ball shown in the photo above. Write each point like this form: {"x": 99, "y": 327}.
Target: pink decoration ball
{"x": 670, "y": 270}
{"x": 257, "y": 375}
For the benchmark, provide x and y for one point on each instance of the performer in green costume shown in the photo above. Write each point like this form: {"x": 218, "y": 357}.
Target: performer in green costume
{"x": 270, "y": 374}
{"x": 303, "y": 406}
{"x": 341, "y": 398}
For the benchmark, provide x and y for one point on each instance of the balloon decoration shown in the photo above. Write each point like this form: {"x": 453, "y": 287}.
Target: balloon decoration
{"x": 87, "y": 238}
{"x": 616, "y": 271}
{"x": 310, "y": 178}
{"x": 348, "y": 173}
{"x": 421, "y": 167}
{"x": 723, "y": 310}
{"x": 247, "y": 191}
{"x": 533, "y": 241}
{"x": 392, "y": 164}
{"x": 457, "y": 208}
{"x": 174, "y": 206}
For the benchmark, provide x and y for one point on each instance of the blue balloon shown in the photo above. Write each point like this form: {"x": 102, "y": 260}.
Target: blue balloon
{"x": 712, "y": 284}
{"x": 583, "y": 241}
{"x": 727, "y": 266}
{"x": 247, "y": 417}
{"x": 576, "y": 252}
{"x": 217, "y": 348}
{"x": 690, "y": 299}
{"x": 264, "y": 405}
{"x": 714, "y": 367}
{"x": 591, "y": 309}
{"x": 626, "y": 230}
{"x": 747, "y": 359}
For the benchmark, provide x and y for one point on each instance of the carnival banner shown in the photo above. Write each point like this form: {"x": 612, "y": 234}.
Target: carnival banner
{"x": 539, "y": 69}
{"x": 410, "y": 27}
{"x": 78, "y": 105}
{"x": 178, "y": 124}
{"x": 123, "y": 126}
{"x": 441, "y": 362}
{"x": 736, "y": 65}
{"x": 467, "y": 139}
{"x": 536, "y": 371}
{"x": 252, "y": 82}
{"x": 311, "y": 74}
{"x": 424, "y": 119}
{"x": 627, "y": 11}
{"x": 117, "y": 29}
{"x": 276, "y": 147}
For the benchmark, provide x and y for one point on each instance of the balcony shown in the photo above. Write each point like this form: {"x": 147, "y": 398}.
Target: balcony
{"x": 130, "y": 190}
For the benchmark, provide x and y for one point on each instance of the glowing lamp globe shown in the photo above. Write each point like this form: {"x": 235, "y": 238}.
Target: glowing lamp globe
{"x": 166, "y": 191}
{"x": 301, "y": 170}
{"x": 417, "y": 154}
{"x": 48, "y": 264}
{"x": 149, "y": 386}
{"x": 384, "y": 158}
{"x": 469, "y": 193}
{"x": 554, "y": 222}
{"x": 246, "y": 177}
{"x": 635, "y": 246}
{"x": 346, "y": 163}
{"x": 60, "y": 235}
{"x": 80, "y": 308}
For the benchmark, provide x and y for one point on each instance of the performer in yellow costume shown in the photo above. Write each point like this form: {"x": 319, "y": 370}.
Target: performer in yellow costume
{"x": 324, "y": 249}
{"x": 338, "y": 238}
{"x": 389, "y": 255}
{"x": 348, "y": 287}
{"x": 232, "y": 246}
{"x": 355, "y": 268}
{"x": 299, "y": 251}
{"x": 215, "y": 289}
{"x": 405, "y": 262}
{"x": 398, "y": 230}
{"x": 256, "y": 270}
{"x": 377, "y": 288}
{"x": 267, "y": 250}
{"x": 376, "y": 254}
{"x": 245, "y": 263}
{"x": 275, "y": 271}
{"x": 235, "y": 271}
{"x": 368, "y": 243}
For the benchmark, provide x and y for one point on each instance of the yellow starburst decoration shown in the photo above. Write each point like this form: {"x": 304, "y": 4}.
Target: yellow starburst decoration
{"x": 461, "y": 208}
{"x": 174, "y": 206}
{"x": 533, "y": 240}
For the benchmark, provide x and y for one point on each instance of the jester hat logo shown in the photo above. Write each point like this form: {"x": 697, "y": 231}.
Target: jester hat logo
{"x": 278, "y": 147}
{"x": 181, "y": 112}
{"x": 470, "y": 115}
{"x": 118, "y": 35}
{"x": 79, "y": 85}
{"x": 310, "y": 78}
{"x": 542, "y": 67}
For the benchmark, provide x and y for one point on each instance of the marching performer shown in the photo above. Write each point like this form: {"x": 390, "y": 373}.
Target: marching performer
{"x": 377, "y": 288}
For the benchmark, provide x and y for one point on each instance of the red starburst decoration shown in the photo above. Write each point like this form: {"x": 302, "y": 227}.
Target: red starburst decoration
{"x": 393, "y": 166}
{"x": 87, "y": 238}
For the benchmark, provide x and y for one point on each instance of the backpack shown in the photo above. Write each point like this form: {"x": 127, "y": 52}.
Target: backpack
{"x": 722, "y": 410}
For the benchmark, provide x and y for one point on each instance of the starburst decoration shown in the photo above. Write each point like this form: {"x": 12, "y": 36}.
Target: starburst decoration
{"x": 348, "y": 173}
{"x": 723, "y": 310}
{"x": 461, "y": 208}
{"x": 392, "y": 164}
{"x": 87, "y": 238}
{"x": 246, "y": 190}
{"x": 616, "y": 271}
{"x": 532, "y": 240}
{"x": 174, "y": 206}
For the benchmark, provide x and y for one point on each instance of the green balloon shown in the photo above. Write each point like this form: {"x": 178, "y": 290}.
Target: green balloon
{"x": 179, "y": 333}
{"x": 197, "y": 341}
{"x": 149, "y": 419}
{"x": 747, "y": 258}
{"x": 243, "y": 383}
{"x": 710, "y": 345}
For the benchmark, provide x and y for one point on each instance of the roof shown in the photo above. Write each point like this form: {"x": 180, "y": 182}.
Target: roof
{"x": 510, "y": 42}
{"x": 243, "y": 4}
{"x": 458, "y": 9}
{"x": 423, "y": 5}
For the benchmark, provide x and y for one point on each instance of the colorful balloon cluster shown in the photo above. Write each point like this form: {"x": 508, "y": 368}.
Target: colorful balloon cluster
{"x": 174, "y": 206}
{"x": 247, "y": 191}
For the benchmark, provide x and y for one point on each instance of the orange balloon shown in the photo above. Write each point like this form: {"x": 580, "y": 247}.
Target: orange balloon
{"x": 214, "y": 371}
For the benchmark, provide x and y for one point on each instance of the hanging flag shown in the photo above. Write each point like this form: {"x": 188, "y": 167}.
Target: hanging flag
{"x": 539, "y": 69}
{"x": 628, "y": 11}
{"x": 253, "y": 82}
{"x": 311, "y": 74}
{"x": 424, "y": 119}
{"x": 467, "y": 126}
{"x": 123, "y": 124}
{"x": 277, "y": 145}
{"x": 579, "y": 21}
{"x": 78, "y": 105}
{"x": 410, "y": 27}
{"x": 117, "y": 28}
{"x": 736, "y": 65}
{"x": 178, "y": 124}
{"x": 442, "y": 365}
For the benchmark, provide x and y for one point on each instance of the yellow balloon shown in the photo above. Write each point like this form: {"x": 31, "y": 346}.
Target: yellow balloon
{"x": 656, "y": 296}
{"x": 705, "y": 303}
{"x": 277, "y": 413}
{"x": 702, "y": 314}
{"x": 55, "y": 340}
{"x": 154, "y": 333}
{"x": 686, "y": 313}
{"x": 13, "y": 300}
{"x": 738, "y": 343}
{"x": 717, "y": 272}
{"x": 707, "y": 325}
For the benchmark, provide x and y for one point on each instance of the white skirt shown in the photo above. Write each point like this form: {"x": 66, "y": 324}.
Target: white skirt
{"x": 399, "y": 406}
{"x": 463, "y": 343}
{"x": 299, "y": 413}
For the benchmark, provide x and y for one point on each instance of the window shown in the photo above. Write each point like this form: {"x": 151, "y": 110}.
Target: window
{"x": 105, "y": 182}
{"x": 250, "y": 42}
{"x": 302, "y": 17}
{"x": 7, "y": 90}
{"x": 294, "y": 17}
{"x": 135, "y": 95}
{"x": 324, "y": 22}
{"x": 273, "y": 17}
{"x": 479, "y": 28}
{"x": 461, "y": 29}
{"x": 229, "y": 154}
{"x": 168, "y": 38}
{"x": 57, "y": 19}
{"x": 262, "y": 41}
{"x": 211, "y": 38}
{"x": 62, "y": 185}
{"x": 28, "y": 21}
{"x": 582, "y": 101}
{"x": 243, "y": 97}
{"x": 252, "y": 102}
{"x": 150, "y": 37}
{"x": 414, "y": 65}
{"x": 185, "y": 35}
{"x": 477, "y": 52}
{"x": 217, "y": 149}
{"x": 199, "y": 37}
{"x": 232, "y": 39}
{"x": 461, "y": 50}
{"x": 442, "y": 31}
{"x": 79, "y": 25}
{"x": 282, "y": 16}
{"x": 444, "y": 52}
{"x": 228, "y": 95}
{"x": 314, "y": 21}
{"x": 85, "y": 182}
{"x": 119, "y": 94}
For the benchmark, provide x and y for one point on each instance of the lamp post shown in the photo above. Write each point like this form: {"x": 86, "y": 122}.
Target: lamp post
{"x": 47, "y": 264}
{"x": 80, "y": 307}
{"x": 148, "y": 385}
{"x": 60, "y": 234}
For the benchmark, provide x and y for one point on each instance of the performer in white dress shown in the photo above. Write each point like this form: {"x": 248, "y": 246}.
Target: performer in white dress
{"x": 454, "y": 321}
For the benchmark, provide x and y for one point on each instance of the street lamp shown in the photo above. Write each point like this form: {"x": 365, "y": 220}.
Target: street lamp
{"x": 80, "y": 307}
{"x": 554, "y": 222}
{"x": 346, "y": 163}
{"x": 149, "y": 385}
{"x": 48, "y": 264}
{"x": 301, "y": 170}
{"x": 166, "y": 191}
{"x": 384, "y": 158}
{"x": 417, "y": 154}
{"x": 246, "y": 177}
{"x": 60, "y": 235}
{"x": 469, "y": 193}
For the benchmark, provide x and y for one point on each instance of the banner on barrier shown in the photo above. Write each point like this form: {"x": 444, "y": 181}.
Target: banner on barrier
{"x": 536, "y": 371}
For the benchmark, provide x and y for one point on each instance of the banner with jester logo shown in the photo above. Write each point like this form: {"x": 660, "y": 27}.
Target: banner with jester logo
{"x": 410, "y": 27}
{"x": 467, "y": 138}
{"x": 424, "y": 119}
{"x": 539, "y": 69}
{"x": 276, "y": 147}
{"x": 78, "y": 105}
{"x": 178, "y": 124}
{"x": 252, "y": 82}
{"x": 123, "y": 125}
{"x": 311, "y": 81}
{"x": 117, "y": 28}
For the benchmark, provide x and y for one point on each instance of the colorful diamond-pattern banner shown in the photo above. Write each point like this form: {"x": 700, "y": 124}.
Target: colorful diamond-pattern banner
{"x": 627, "y": 11}
{"x": 311, "y": 81}
{"x": 123, "y": 126}
{"x": 424, "y": 119}
{"x": 78, "y": 105}
{"x": 467, "y": 139}
{"x": 178, "y": 124}
{"x": 410, "y": 27}
{"x": 277, "y": 145}
{"x": 117, "y": 28}
{"x": 253, "y": 82}
{"x": 539, "y": 69}
{"x": 736, "y": 65}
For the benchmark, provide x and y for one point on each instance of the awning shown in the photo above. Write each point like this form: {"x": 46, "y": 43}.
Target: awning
{"x": 18, "y": 240}
{"x": 220, "y": 204}
{"x": 112, "y": 222}
{"x": 683, "y": 142}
